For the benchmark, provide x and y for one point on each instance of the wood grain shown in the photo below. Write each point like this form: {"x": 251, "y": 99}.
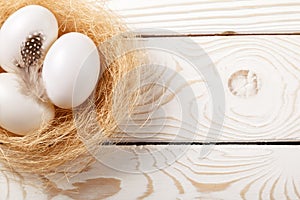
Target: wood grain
{"x": 260, "y": 77}
{"x": 151, "y": 172}
{"x": 209, "y": 17}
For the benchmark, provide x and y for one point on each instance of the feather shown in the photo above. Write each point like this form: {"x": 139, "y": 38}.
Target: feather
{"x": 30, "y": 65}
{"x": 32, "y": 83}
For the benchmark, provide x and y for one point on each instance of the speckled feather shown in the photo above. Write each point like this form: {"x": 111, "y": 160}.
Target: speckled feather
{"x": 29, "y": 67}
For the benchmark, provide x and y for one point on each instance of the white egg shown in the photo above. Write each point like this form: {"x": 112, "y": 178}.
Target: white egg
{"x": 71, "y": 70}
{"x": 27, "y": 22}
{"x": 21, "y": 114}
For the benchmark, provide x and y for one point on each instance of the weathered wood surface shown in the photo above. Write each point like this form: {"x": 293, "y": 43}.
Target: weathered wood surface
{"x": 260, "y": 77}
{"x": 175, "y": 172}
{"x": 210, "y": 17}
{"x": 269, "y": 113}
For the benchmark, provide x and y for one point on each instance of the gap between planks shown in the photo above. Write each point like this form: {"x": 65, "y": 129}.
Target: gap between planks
{"x": 226, "y": 33}
{"x": 259, "y": 143}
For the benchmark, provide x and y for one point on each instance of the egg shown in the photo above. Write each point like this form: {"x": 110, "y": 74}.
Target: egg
{"x": 71, "y": 70}
{"x": 21, "y": 114}
{"x": 26, "y": 35}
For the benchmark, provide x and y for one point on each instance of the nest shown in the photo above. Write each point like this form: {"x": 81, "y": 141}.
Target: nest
{"x": 59, "y": 145}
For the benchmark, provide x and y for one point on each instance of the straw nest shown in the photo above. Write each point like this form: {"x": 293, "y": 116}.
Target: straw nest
{"x": 59, "y": 145}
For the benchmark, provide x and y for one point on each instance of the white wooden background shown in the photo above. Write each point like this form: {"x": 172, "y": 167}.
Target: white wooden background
{"x": 257, "y": 152}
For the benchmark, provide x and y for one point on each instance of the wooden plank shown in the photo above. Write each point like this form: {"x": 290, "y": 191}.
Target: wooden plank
{"x": 170, "y": 172}
{"x": 210, "y": 17}
{"x": 260, "y": 77}
{"x": 20, "y": 186}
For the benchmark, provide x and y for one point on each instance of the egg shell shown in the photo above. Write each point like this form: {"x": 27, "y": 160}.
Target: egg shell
{"x": 21, "y": 114}
{"x": 71, "y": 70}
{"x": 15, "y": 30}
